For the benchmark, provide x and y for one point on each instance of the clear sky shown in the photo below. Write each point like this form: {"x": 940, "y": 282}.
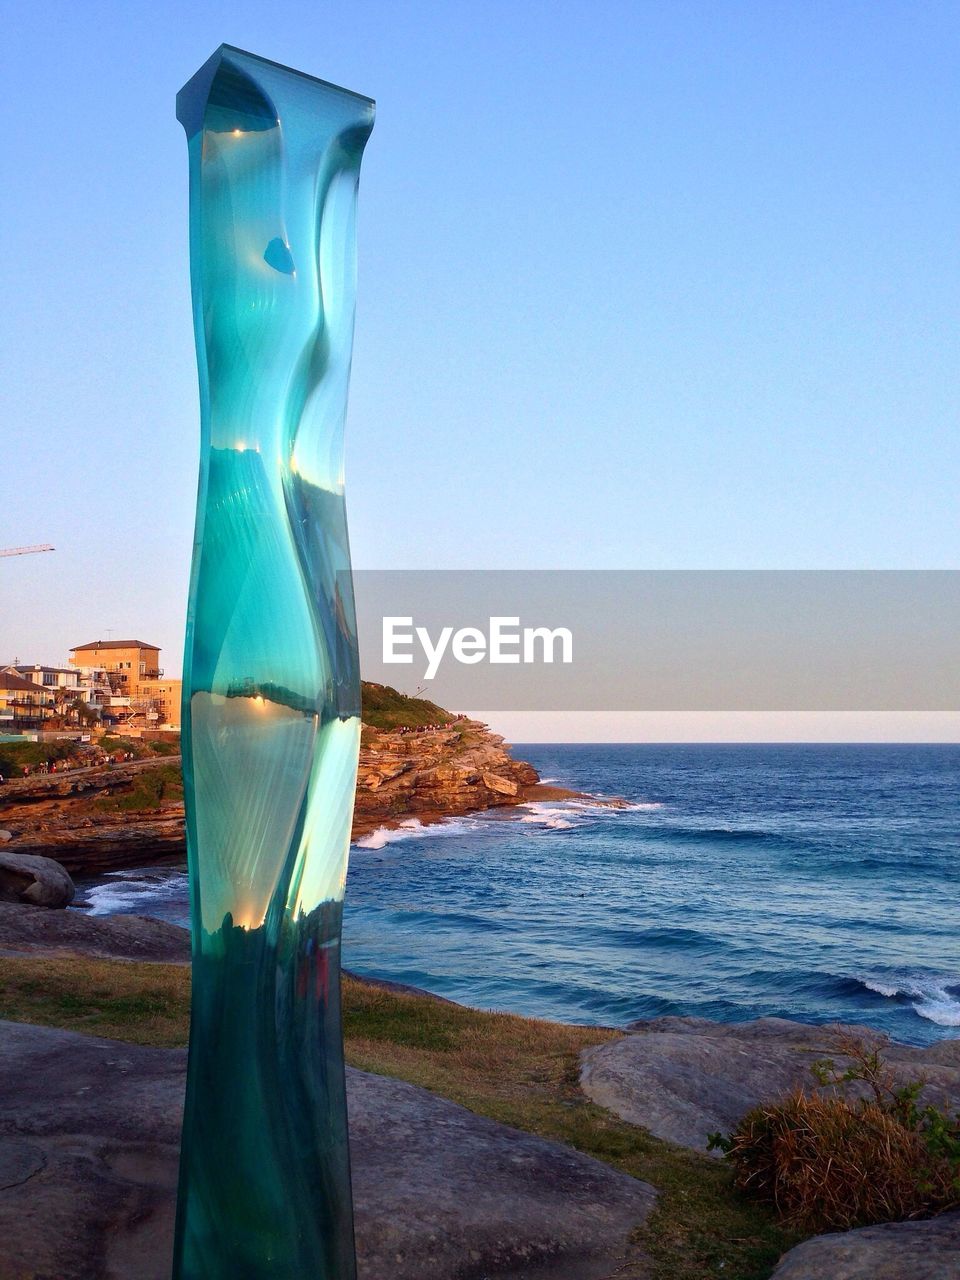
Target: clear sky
{"x": 642, "y": 285}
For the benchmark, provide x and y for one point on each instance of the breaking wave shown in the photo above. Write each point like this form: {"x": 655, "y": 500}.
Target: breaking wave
{"x": 413, "y": 828}
{"x": 934, "y": 997}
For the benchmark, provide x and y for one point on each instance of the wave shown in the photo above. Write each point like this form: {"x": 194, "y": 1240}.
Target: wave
{"x": 933, "y": 997}
{"x": 660, "y": 937}
{"x": 898, "y": 863}
{"x": 135, "y": 893}
{"x": 413, "y": 828}
{"x": 610, "y": 804}
{"x": 558, "y": 817}
{"x": 562, "y": 815}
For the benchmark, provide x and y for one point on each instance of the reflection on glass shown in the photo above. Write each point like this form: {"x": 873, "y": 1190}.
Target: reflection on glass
{"x": 271, "y": 718}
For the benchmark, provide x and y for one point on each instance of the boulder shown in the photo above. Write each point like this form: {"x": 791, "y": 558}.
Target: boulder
{"x": 927, "y": 1250}
{"x": 684, "y": 1078}
{"x": 41, "y": 882}
{"x": 88, "y": 1169}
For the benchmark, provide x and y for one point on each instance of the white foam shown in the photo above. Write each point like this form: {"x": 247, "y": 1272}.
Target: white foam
{"x": 561, "y": 815}
{"x": 614, "y": 805}
{"x": 410, "y": 828}
{"x": 881, "y": 988}
{"x": 125, "y": 893}
{"x": 383, "y": 836}
{"x": 541, "y": 814}
{"x": 945, "y": 1013}
{"x": 935, "y": 998}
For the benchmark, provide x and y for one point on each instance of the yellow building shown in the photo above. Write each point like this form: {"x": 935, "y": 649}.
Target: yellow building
{"x": 159, "y": 702}
{"x": 133, "y": 669}
{"x": 127, "y": 662}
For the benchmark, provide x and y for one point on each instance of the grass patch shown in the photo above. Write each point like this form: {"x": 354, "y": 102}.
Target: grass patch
{"x": 141, "y": 1003}
{"x": 518, "y": 1071}
{"x": 138, "y": 748}
{"x": 148, "y": 791}
{"x": 383, "y": 707}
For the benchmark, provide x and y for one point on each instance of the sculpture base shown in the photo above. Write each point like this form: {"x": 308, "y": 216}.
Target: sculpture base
{"x": 265, "y": 1145}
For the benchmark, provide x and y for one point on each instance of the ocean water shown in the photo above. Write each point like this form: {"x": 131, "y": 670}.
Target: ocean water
{"x": 809, "y": 882}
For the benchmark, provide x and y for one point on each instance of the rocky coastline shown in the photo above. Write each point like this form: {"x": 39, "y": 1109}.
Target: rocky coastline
{"x": 84, "y": 819}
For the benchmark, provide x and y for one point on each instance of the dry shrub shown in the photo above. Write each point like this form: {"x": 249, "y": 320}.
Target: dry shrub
{"x": 826, "y": 1165}
{"x": 827, "y": 1162}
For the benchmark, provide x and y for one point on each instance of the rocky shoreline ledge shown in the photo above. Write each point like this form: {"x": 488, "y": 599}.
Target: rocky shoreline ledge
{"x": 87, "y": 819}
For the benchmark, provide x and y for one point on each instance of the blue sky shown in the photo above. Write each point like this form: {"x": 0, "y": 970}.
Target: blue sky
{"x": 641, "y": 285}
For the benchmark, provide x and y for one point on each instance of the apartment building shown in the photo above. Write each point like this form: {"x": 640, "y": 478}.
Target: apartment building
{"x": 139, "y": 693}
{"x": 66, "y": 680}
{"x": 126, "y": 662}
{"x": 23, "y": 704}
{"x": 159, "y": 702}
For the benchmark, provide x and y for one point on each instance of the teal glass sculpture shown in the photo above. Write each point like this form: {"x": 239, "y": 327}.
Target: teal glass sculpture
{"x": 271, "y": 695}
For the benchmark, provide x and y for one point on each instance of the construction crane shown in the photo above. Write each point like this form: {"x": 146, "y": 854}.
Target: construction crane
{"x": 25, "y": 551}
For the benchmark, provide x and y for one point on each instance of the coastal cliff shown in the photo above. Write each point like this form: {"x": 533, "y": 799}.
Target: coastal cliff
{"x": 435, "y": 773}
{"x": 416, "y": 761}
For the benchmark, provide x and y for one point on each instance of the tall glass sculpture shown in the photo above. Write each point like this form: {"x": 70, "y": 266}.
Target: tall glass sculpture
{"x": 271, "y": 714}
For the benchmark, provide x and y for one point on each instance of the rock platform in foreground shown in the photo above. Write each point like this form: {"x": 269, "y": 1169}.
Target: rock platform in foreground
{"x": 927, "y": 1250}
{"x": 28, "y": 930}
{"x": 88, "y": 1166}
{"x": 684, "y": 1078}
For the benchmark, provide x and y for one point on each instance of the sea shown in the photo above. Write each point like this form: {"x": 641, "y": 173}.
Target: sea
{"x": 814, "y": 882}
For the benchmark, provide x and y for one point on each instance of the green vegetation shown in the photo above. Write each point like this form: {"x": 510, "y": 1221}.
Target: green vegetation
{"x": 385, "y": 708}
{"x": 14, "y": 755}
{"x": 519, "y": 1071}
{"x": 829, "y": 1162}
{"x": 140, "y": 1003}
{"x": 148, "y": 791}
{"x": 138, "y": 748}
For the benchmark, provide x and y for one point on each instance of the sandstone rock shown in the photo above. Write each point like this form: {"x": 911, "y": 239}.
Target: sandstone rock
{"x": 435, "y": 773}
{"x": 90, "y": 847}
{"x": 503, "y": 785}
{"x": 683, "y": 1078}
{"x": 68, "y": 782}
{"x": 25, "y": 930}
{"x": 443, "y": 1194}
{"x": 445, "y": 774}
{"x": 90, "y": 1152}
{"x": 927, "y": 1250}
{"x": 41, "y": 882}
